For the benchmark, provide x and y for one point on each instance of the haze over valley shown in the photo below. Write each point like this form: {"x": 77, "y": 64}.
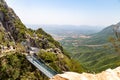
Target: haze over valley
{"x": 87, "y": 40}
{"x": 60, "y": 32}
{"x": 59, "y": 40}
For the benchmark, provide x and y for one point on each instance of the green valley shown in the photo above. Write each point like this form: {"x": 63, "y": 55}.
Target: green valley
{"x": 96, "y": 53}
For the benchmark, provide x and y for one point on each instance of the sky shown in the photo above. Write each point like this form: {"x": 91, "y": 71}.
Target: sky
{"x": 67, "y": 12}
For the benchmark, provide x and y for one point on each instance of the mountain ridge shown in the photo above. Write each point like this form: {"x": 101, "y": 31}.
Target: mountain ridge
{"x": 96, "y": 53}
{"x": 16, "y": 41}
{"x": 103, "y": 36}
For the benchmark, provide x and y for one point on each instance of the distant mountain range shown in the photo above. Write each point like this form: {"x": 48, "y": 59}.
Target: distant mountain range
{"x": 102, "y": 36}
{"x": 66, "y": 29}
{"x": 94, "y": 53}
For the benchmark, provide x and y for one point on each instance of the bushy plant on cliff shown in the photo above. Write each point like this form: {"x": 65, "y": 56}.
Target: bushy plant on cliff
{"x": 1, "y": 37}
{"x": 3, "y": 9}
{"x": 16, "y": 67}
{"x": 49, "y": 37}
{"x": 21, "y": 30}
{"x": 30, "y": 32}
{"x": 60, "y": 62}
{"x": 3, "y": 40}
{"x": 115, "y": 44}
{"x": 116, "y": 40}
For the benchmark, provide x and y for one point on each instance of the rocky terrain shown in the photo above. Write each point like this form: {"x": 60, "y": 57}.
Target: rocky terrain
{"x": 109, "y": 74}
{"x": 16, "y": 40}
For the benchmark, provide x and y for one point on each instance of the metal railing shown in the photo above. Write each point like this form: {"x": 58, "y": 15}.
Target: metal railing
{"x": 41, "y": 66}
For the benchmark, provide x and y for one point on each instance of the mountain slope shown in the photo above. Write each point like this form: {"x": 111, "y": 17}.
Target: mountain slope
{"x": 95, "y": 53}
{"x": 102, "y": 36}
{"x": 15, "y": 42}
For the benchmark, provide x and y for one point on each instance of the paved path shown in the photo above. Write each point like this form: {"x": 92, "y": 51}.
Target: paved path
{"x": 41, "y": 66}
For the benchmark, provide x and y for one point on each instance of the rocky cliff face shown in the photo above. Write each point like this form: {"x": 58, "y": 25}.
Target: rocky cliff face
{"x": 14, "y": 65}
{"x": 15, "y": 31}
{"x": 109, "y": 74}
{"x": 9, "y": 21}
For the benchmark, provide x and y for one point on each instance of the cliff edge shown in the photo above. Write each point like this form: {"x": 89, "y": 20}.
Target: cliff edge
{"x": 109, "y": 74}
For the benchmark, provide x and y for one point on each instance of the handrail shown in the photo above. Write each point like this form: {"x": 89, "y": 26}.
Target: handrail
{"x": 41, "y": 66}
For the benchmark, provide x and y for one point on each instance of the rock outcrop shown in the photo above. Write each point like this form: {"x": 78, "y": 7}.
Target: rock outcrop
{"x": 15, "y": 31}
{"x": 14, "y": 65}
{"x": 109, "y": 74}
{"x": 10, "y": 21}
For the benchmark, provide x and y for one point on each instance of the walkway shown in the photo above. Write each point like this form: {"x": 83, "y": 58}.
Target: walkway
{"x": 41, "y": 66}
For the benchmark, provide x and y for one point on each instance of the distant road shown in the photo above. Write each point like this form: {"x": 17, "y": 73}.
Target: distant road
{"x": 93, "y": 45}
{"x": 41, "y": 66}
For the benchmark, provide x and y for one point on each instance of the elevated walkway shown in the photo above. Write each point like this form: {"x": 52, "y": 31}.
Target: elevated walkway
{"x": 41, "y": 66}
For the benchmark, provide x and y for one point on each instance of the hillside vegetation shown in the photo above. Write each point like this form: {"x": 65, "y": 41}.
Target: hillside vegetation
{"x": 16, "y": 39}
{"x": 97, "y": 53}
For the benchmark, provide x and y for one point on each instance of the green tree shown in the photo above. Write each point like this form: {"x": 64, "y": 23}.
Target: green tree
{"x": 116, "y": 41}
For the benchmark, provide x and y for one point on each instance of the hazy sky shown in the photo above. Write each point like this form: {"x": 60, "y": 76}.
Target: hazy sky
{"x": 72, "y": 12}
